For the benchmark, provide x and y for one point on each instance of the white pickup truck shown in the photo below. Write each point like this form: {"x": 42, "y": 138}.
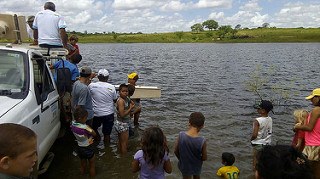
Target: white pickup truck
{"x": 28, "y": 93}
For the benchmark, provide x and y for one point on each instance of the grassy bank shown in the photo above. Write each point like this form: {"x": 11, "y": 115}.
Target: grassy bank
{"x": 259, "y": 35}
{"x": 263, "y": 35}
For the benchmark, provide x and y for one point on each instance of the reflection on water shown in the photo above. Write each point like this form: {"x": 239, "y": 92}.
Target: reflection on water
{"x": 210, "y": 78}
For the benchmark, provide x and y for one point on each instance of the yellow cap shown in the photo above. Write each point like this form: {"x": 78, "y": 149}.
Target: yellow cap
{"x": 315, "y": 92}
{"x": 132, "y": 75}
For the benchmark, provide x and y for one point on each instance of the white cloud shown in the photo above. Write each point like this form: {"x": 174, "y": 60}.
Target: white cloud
{"x": 215, "y": 15}
{"x": 251, "y": 5}
{"x": 135, "y": 4}
{"x": 174, "y": 6}
{"x": 259, "y": 19}
{"x": 298, "y": 15}
{"x": 214, "y": 3}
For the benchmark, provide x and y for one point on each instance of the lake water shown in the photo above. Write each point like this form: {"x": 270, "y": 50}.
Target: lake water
{"x": 210, "y": 78}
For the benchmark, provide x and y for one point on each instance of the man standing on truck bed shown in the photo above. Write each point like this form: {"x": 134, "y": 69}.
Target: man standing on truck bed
{"x": 49, "y": 28}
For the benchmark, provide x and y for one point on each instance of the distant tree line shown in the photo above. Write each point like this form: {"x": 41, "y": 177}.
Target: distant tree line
{"x": 212, "y": 25}
{"x": 222, "y": 31}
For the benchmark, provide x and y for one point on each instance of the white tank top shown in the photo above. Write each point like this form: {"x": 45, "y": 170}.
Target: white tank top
{"x": 265, "y": 131}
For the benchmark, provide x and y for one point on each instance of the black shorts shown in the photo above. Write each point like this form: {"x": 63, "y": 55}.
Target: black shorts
{"x": 106, "y": 121}
{"x": 85, "y": 152}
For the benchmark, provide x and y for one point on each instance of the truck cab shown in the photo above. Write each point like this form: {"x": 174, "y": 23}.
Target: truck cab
{"x": 28, "y": 93}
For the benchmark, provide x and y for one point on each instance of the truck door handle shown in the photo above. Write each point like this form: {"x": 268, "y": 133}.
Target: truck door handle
{"x": 36, "y": 120}
{"x": 45, "y": 108}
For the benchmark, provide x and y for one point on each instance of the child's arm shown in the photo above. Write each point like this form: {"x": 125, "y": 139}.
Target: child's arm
{"x": 135, "y": 166}
{"x": 91, "y": 131}
{"x": 121, "y": 108}
{"x": 299, "y": 143}
{"x": 176, "y": 148}
{"x": 167, "y": 166}
{"x": 255, "y": 130}
{"x": 204, "y": 151}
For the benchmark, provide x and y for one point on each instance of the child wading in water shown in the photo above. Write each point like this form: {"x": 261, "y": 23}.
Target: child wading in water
{"x": 300, "y": 116}
{"x": 84, "y": 135}
{"x": 190, "y": 148}
{"x": 124, "y": 106}
{"x": 153, "y": 159}
{"x": 228, "y": 171}
{"x": 132, "y": 80}
{"x": 262, "y": 128}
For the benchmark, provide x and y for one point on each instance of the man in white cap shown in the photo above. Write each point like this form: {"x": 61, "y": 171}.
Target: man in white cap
{"x": 103, "y": 98}
{"x": 49, "y": 28}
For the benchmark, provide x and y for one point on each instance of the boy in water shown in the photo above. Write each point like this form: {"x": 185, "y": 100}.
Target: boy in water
{"x": 228, "y": 171}
{"x": 18, "y": 151}
{"x": 262, "y": 128}
{"x": 84, "y": 136}
{"x": 132, "y": 80}
{"x": 190, "y": 148}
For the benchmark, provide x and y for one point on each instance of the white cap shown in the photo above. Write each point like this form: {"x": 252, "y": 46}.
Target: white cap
{"x": 103, "y": 72}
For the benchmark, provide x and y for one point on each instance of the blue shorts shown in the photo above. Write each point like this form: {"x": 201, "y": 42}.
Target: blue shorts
{"x": 85, "y": 152}
{"x": 106, "y": 121}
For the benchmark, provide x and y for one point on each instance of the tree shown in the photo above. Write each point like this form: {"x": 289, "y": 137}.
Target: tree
{"x": 237, "y": 27}
{"x": 223, "y": 30}
{"x": 265, "y": 25}
{"x": 210, "y": 24}
{"x": 197, "y": 28}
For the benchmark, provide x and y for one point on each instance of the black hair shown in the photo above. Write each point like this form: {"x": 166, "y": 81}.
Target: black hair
{"x": 282, "y": 161}
{"x": 123, "y": 85}
{"x": 103, "y": 78}
{"x": 228, "y": 158}
{"x": 154, "y": 145}
{"x": 79, "y": 113}
{"x": 14, "y": 139}
{"x": 196, "y": 119}
{"x": 50, "y": 5}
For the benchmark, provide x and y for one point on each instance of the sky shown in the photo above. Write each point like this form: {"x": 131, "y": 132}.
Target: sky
{"x": 156, "y": 16}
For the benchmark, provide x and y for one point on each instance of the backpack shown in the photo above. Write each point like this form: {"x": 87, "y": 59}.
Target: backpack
{"x": 64, "y": 82}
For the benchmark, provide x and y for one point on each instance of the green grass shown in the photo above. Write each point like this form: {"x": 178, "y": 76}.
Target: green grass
{"x": 259, "y": 35}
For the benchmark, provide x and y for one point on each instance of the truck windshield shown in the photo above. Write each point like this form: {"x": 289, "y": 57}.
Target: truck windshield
{"x": 12, "y": 73}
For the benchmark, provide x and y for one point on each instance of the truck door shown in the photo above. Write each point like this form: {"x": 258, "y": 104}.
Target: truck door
{"x": 47, "y": 100}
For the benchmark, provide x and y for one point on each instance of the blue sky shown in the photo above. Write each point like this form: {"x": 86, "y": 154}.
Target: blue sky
{"x": 149, "y": 16}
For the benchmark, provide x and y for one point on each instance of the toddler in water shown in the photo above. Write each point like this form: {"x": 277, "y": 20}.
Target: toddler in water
{"x": 228, "y": 171}
{"x": 84, "y": 135}
{"x": 300, "y": 115}
{"x": 190, "y": 148}
{"x": 153, "y": 159}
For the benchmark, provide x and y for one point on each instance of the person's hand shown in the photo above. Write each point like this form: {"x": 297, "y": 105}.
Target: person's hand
{"x": 132, "y": 104}
{"x": 93, "y": 74}
{"x": 90, "y": 140}
{"x": 295, "y": 127}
